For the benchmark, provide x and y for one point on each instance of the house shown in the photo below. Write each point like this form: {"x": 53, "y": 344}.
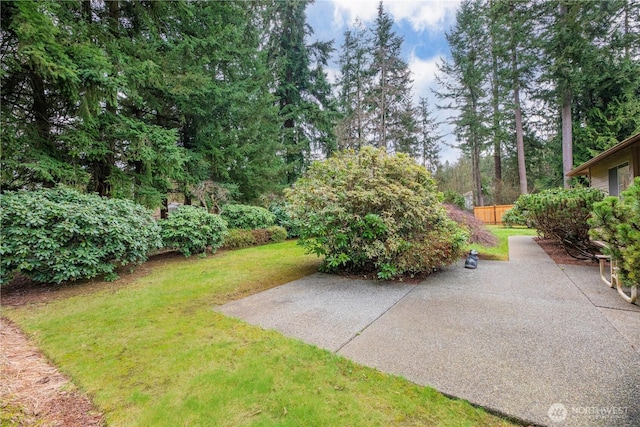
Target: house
{"x": 613, "y": 170}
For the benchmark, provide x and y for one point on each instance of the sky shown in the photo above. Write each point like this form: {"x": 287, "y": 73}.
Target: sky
{"x": 421, "y": 23}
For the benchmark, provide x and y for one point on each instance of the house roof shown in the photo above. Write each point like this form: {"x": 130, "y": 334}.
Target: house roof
{"x": 584, "y": 168}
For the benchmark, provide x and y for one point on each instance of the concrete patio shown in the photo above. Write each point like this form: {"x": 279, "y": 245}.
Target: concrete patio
{"x": 543, "y": 343}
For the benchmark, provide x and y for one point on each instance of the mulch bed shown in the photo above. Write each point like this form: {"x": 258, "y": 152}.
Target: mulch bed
{"x": 559, "y": 255}
{"x": 33, "y": 391}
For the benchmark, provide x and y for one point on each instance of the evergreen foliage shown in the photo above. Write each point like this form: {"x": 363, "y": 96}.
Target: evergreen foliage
{"x": 513, "y": 217}
{"x": 554, "y": 100}
{"x": 57, "y": 235}
{"x": 306, "y": 109}
{"x": 463, "y": 81}
{"x": 239, "y": 238}
{"x": 370, "y": 212}
{"x": 284, "y": 220}
{"x": 562, "y": 215}
{"x": 193, "y": 230}
{"x": 616, "y": 221}
{"x": 247, "y": 217}
{"x": 139, "y": 100}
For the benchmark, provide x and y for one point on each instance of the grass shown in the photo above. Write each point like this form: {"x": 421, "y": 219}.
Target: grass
{"x": 500, "y": 252}
{"x": 154, "y": 353}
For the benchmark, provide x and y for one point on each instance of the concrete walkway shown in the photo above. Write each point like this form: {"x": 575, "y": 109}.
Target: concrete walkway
{"x": 546, "y": 344}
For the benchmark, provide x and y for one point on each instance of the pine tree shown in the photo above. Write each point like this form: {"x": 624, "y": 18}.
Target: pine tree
{"x": 306, "y": 110}
{"x": 428, "y": 137}
{"x": 463, "y": 81}
{"x": 353, "y": 83}
{"x": 392, "y": 118}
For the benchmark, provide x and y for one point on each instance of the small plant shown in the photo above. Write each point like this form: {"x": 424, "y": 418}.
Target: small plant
{"x": 57, "y": 235}
{"x": 192, "y": 230}
{"x": 616, "y": 221}
{"x": 455, "y": 199}
{"x": 247, "y": 217}
{"x": 373, "y": 213}
{"x": 513, "y": 217}
{"x": 277, "y": 234}
{"x": 239, "y": 239}
{"x": 478, "y": 232}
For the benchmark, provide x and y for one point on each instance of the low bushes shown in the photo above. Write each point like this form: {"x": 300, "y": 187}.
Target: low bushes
{"x": 513, "y": 217}
{"x": 478, "y": 232}
{"x": 192, "y": 230}
{"x": 283, "y": 219}
{"x": 370, "y": 212}
{"x": 616, "y": 221}
{"x": 56, "y": 235}
{"x": 247, "y": 217}
{"x": 239, "y": 238}
{"x": 561, "y": 215}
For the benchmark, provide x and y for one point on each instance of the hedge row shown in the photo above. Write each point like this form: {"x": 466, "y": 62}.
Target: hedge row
{"x": 57, "y": 235}
{"x": 239, "y": 238}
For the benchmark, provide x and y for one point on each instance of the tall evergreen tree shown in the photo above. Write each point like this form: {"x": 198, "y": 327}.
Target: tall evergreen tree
{"x": 306, "y": 111}
{"x": 428, "y": 137}
{"x": 463, "y": 81}
{"x": 393, "y": 120}
{"x": 353, "y": 83}
{"x": 82, "y": 67}
{"x": 131, "y": 98}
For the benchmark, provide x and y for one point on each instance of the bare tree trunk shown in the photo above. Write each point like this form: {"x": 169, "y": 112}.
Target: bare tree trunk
{"x": 477, "y": 179}
{"x": 522, "y": 167}
{"x": 497, "y": 146}
{"x": 567, "y": 137}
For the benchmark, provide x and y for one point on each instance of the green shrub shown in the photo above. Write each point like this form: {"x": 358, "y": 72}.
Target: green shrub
{"x": 260, "y": 236}
{"x": 192, "y": 230}
{"x": 562, "y": 214}
{"x": 56, "y": 235}
{"x": 239, "y": 238}
{"x": 247, "y": 217}
{"x": 513, "y": 217}
{"x": 277, "y": 234}
{"x": 370, "y": 212}
{"x": 283, "y": 219}
{"x": 478, "y": 232}
{"x": 616, "y": 221}
{"x": 455, "y": 199}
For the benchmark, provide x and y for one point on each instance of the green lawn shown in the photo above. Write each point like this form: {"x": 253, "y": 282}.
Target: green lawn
{"x": 154, "y": 353}
{"x": 501, "y": 251}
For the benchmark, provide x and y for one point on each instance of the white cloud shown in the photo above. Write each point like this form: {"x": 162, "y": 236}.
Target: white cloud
{"x": 432, "y": 15}
{"x": 345, "y": 12}
{"x": 423, "y": 72}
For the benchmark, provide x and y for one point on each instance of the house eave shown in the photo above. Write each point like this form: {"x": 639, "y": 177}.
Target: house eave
{"x": 584, "y": 169}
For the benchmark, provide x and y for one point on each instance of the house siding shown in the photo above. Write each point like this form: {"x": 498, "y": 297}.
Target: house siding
{"x": 600, "y": 173}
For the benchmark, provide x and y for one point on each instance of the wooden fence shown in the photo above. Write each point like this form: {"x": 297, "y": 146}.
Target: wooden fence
{"x": 491, "y": 214}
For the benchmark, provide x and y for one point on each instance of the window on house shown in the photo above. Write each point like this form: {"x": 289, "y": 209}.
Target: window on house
{"x": 619, "y": 178}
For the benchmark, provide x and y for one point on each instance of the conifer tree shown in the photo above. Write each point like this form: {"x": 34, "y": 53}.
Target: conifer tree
{"x": 306, "y": 109}
{"x": 389, "y": 99}
{"x": 463, "y": 81}
{"x": 353, "y": 83}
{"x": 428, "y": 137}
